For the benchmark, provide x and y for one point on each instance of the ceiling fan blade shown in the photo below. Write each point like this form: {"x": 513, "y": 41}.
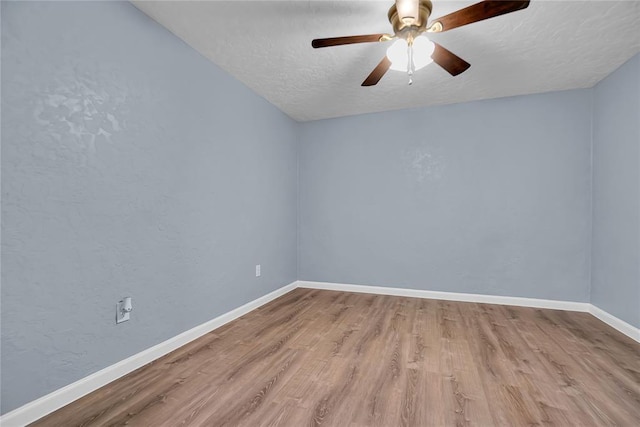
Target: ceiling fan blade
{"x": 377, "y": 72}
{"x": 476, "y": 12}
{"x": 448, "y": 60}
{"x": 337, "y": 41}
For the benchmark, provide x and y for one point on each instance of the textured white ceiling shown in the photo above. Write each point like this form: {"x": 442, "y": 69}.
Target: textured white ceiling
{"x": 551, "y": 45}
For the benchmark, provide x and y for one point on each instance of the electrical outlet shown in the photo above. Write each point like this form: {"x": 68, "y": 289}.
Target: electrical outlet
{"x": 123, "y": 310}
{"x": 258, "y": 270}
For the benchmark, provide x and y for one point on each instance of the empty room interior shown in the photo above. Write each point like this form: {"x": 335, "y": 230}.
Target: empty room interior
{"x": 332, "y": 213}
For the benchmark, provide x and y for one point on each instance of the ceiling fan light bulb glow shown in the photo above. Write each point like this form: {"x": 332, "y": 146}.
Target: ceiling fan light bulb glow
{"x": 399, "y": 56}
{"x": 408, "y": 10}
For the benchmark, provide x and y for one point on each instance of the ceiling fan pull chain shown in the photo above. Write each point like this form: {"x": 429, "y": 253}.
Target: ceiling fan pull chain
{"x": 410, "y": 64}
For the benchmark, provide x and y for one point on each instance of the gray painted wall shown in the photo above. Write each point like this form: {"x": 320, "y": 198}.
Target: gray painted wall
{"x": 489, "y": 197}
{"x": 131, "y": 166}
{"x": 615, "y": 279}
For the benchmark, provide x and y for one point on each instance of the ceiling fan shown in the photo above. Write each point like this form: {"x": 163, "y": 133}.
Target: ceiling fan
{"x": 412, "y": 50}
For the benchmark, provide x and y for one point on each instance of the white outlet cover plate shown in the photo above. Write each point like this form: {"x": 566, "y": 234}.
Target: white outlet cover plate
{"x": 121, "y": 315}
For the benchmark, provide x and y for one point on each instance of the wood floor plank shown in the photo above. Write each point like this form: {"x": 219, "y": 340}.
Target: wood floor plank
{"x": 326, "y": 358}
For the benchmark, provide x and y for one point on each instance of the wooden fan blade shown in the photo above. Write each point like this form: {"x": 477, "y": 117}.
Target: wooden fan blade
{"x": 476, "y": 12}
{"x": 377, "y": 72}
{"x": 448, "y": 60}
{"x": 337, "y": 41}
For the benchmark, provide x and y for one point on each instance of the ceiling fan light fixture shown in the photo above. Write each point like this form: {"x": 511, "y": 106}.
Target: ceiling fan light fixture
{"x": 398, "y": 53}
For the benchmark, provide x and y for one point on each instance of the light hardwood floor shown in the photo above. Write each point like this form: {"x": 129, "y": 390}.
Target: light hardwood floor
{"x": 316, "y": 357}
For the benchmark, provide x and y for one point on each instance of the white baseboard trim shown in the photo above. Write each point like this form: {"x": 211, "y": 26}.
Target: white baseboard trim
{"x": 616, "y": 323}
{"x": 450, "y": 296}
{"x": 38, "y": 408}
{"x": 609, "y": 319}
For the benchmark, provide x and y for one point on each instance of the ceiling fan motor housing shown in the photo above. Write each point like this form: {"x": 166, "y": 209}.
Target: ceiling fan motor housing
{"x": 424, "y": 11}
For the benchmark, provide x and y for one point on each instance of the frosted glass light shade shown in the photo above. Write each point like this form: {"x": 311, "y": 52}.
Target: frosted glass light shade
{"x": 399, "y": 57}
{"x": 408, "y": 10}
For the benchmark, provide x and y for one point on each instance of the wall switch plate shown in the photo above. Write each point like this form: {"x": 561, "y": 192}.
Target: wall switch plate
{"x": 258, "y": 270}
{"x": 123, "y": 310}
